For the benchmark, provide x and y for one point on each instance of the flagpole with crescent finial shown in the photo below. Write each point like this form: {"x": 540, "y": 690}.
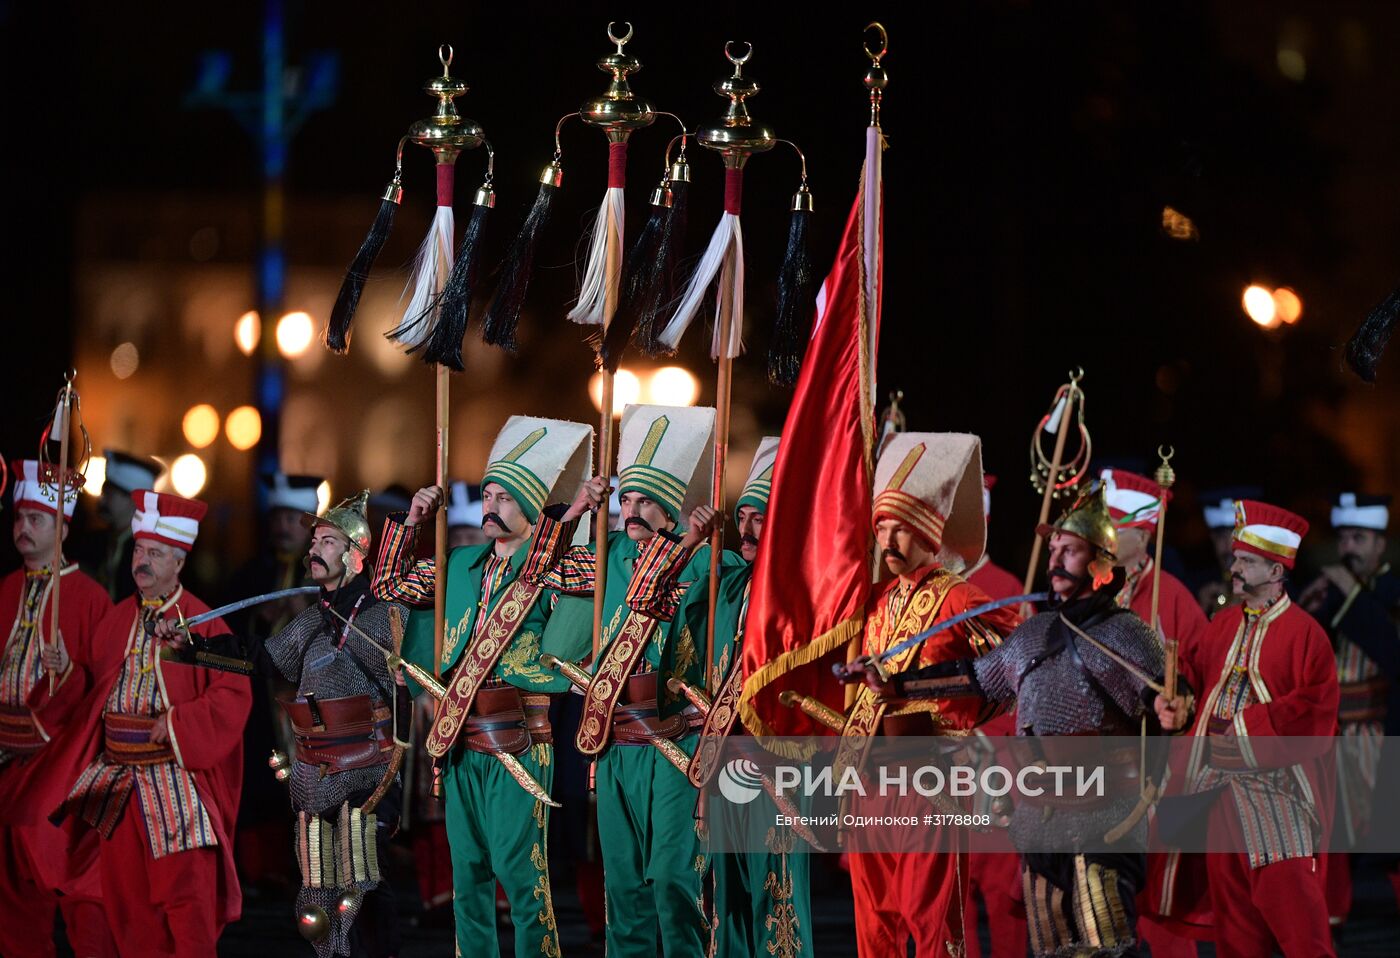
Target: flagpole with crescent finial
{"x": 58, "y": 476}
{"x": 1166, "y": 478}
{"x": 1054, "y": 478}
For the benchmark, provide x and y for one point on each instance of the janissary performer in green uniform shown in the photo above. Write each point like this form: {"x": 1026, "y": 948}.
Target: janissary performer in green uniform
{"x": 641, "y": 734}
{"x": 762, "y": 895}
{"x": 490, "y": 737}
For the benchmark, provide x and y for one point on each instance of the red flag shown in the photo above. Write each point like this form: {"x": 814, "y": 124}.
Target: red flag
{"x": 813, "y": 575}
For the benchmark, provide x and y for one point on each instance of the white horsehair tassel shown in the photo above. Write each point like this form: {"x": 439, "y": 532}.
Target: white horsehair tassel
{"x": 430, "y": 270}
{"x": 597, "y": 297}
{"x": 724, "y": 257}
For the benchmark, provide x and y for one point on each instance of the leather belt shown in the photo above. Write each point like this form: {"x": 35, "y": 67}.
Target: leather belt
{"x": 340, "y": 734}
{"x": 636, "y": 719}
{"x": 1120, "y": 780}
{"x": 19, "y": 733}
{"x": 506, "y": 720}
{"x": 127, "y": 740}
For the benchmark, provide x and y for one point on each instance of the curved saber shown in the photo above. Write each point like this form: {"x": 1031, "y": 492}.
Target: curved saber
{"x": 437, "y": 690}
{"x": 909, "y": 643}
{"x": 248, "y": 603}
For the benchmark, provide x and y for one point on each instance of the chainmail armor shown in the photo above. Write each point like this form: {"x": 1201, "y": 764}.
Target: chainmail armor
{"x": 1054, "y": 695}
{"x": 305, "y": 652}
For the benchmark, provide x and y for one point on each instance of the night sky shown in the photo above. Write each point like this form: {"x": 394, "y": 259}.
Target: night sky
{"x": 1033, "y": 146}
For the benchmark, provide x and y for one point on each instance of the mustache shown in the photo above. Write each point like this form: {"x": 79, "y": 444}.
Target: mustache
{"x": 143, "y": 570}
{"x": 1060, "y": 572}
{"x": 24, "y": 537}
{"x": 493, "y": 517}
{"x": 891, "y": 553}
{"x": 1352, "y": 562}
{"x": 316, "y": 560}
{"x": 639, "y": 521}
{"x": 750, "y": 540}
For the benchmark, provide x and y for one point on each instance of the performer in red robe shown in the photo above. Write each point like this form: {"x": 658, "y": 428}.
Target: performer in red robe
{"x": 39, "y": 860}
{"x": 1264, "y": 668}
{"x": 926, "y": 518}
{"x": 163, "y": 744}
{"x": 1134, "y": 502}
{"x": 995, "y": 877}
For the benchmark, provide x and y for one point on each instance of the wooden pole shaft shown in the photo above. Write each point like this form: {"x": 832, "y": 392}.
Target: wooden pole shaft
{"x": 65, "y": 409}
{"x": 601, "y": 530}
{"x": 440, "y": 525}
{"x": 722, "y": 391}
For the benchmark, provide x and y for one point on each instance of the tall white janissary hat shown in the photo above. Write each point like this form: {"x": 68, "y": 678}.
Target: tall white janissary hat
{"x": 933, "y": 482}
{"x": 759, "y": 485}
{"x": 540, "y": 461}
{"x": 666, "y": 454}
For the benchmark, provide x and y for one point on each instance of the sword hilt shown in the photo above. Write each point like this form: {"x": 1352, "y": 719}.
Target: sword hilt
{"x": 569, "y": 670}
{"x": 818, "y": 711}
{"x": 420, "y": 675}
{"x": 692, "y": 695}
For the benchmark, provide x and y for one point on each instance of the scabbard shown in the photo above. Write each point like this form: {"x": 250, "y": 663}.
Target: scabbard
{"x": 524, "y": 779}
{"x": 420, "y": 675}
{"x": 581, "y": 680}
{"x": 576, "y": 676}
{"x": 692, "y": 695}
{"x": 815, "y": 710}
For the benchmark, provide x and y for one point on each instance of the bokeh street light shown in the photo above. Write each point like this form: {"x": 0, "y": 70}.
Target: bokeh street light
{"x": 243, "y": 428}
{"x": 294, "y": 334}
{"x": 201, "y": 425}
{"x": 188, "y": 475}
{"x": 247, "y": 331}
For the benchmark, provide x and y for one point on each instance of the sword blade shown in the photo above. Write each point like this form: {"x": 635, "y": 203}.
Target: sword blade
{"x": 248, "y": 603}
{"x": 973, "y": 613}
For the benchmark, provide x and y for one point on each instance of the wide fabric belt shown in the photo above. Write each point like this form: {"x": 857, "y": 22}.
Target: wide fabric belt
{"x": 505, "y": 720}
{"x": 1364, "y": 701}
{"x": 636, "y": 719}
{"x": 19, "y": 733}
{"x": 127, "y": 740}
{"x": 340, "y": 734}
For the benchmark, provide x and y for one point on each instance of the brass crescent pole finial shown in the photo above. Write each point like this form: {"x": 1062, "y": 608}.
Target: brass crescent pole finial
{"x": 879, "y": 27}
{"x": 621, "y": 41}
{"x": 445, "y": 58}
{"x": 738, "y": 61}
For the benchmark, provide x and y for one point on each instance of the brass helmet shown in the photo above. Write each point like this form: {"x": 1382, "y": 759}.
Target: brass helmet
{"x": 349, "y": 519}
{"x": 1088, "y": 519}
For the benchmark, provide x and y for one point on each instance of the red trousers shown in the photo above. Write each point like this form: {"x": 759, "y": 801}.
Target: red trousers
{"x": 1338, "y": 884}
{"x": 1163, "y": 942}
{"x": 901, "y": 895}
{"x": 1260, "y": 910}
{"x": 29, "y": 903}
{"x": 433, "y": 863}
{"x": 159, "y": 907}
{"x": 994, "y": 876}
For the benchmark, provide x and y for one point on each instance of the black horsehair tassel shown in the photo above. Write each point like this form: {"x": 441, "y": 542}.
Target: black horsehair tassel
{"x": 454, "y": 304}
{"x": 337, "y": 335}
{"x": 1366, "y": 345}
{"x": 648, "y": 277}
{"x": 792, "y": 326}
{"x": 503, "y": 316}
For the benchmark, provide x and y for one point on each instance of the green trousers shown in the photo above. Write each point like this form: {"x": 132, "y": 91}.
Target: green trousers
{"x": 496, "y": 832}
{"x": 762, "y": 897}
{"x": 653, "y": 859}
